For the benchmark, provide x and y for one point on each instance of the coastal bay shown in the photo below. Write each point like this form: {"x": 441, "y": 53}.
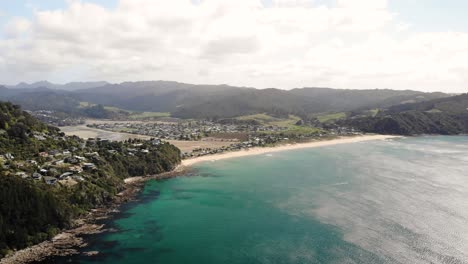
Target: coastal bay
{"x": 354, "y": 202}
{"x": 68, "y": 242}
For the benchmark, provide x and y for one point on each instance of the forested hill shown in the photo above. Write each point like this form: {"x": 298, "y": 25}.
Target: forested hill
{"x": 47, "y": 179}
{"x": 208, "y": 101}
{"x": 446, "y": 116}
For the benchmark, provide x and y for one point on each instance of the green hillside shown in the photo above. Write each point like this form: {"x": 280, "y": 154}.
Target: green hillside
{"x": 190, "y": 101}
{"x": 446, "y": 116}
{"x": 47, "y": 179}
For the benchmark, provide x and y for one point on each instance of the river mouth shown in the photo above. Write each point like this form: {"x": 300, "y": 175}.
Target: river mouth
{"x": 395, "y": 201}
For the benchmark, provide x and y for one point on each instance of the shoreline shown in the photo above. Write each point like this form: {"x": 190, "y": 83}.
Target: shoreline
{"x": 265, "y": 150}
{"x": 69, "y": 241}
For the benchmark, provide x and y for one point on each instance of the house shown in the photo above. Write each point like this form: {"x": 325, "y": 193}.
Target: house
{"x": 78, "y": 178}
{"x": 44, "y": 154}
{"x": 72, "y": 160}
{"x": 89, "y": 166}
{"x": 21, "y": 174}
{"x": 43, "y": 171}
{"x": 75, "y": 169}
{"x": 50, "y": 180}
{"x": 80, "y": 158}
{"x": 32, "y": 162}
{"x": 53, "y": 152}
{"x": 58, "y": 162}
{"x": 91, "y": 154}
{"x": 156, "y": 142}
{"x": 66, "y": 175}
{"x": 144, "y": 151}
{"x": 39, "y": 137}
{"x": 36, "y": 176}
{"x": 20, "y": 164}
{"x": 9, "y": 156}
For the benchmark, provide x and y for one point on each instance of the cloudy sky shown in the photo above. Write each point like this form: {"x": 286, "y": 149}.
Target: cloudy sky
{"x": 399, "y": 44}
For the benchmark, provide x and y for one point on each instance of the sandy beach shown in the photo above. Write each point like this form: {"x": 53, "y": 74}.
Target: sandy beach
{"x": 67, "y": 242}
{"x": 259, "y": 151}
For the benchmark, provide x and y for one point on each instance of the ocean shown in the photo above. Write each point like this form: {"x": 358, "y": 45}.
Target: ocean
{"x": 387, "y": 201}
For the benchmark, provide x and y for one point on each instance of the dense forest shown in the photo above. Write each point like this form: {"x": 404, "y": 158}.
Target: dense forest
{"x": 445, "y": 116}
{"x": 34, "y": 208}
{"x": 203, "y": 101}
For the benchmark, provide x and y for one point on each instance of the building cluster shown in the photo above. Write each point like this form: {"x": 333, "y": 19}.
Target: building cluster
{"x": 72, "y": 165}
{"x": 56, "y": 119}
{"x": 343, "y": 131}
{"x": 52, "y": 166}
{"x": 184, "y": 130}
{"x": 253, "y": 141}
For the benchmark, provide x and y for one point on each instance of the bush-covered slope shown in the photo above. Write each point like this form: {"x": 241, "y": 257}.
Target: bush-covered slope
{"x": 205, "y": 101}
{"x": 446, "y": 116}
{"x": 47, "y": 178}
{"x": 208, "y": 101}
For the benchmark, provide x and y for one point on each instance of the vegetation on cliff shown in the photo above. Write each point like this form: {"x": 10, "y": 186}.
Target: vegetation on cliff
{"x": 445, "y": 116}
{"x": 47, "y": 179}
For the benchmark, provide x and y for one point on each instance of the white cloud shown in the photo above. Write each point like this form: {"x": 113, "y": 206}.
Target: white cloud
{"x": 17, "y": 27}
{"x": 290, "y": 43}
{"x": 363, "y": 4}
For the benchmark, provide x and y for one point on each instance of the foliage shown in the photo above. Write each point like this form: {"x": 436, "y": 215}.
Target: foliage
{"x": 331, "y": 117}
{"x": 447, "y": 116}
{"x": 218, "y": 101}
{"x": 30, "y": 210}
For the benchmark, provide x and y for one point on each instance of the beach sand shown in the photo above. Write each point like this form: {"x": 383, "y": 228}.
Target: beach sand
{"x": 72, "y": 238}
{"x": 260, "y": 150}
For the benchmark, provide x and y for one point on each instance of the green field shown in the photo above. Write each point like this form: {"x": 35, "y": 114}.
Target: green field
{"x": 331, "y": 117}
{"x": 265, "y": 119}
{"x": 116, "y": 109}
{"x": 289, "y": 123}
{"x": 148, "y": 115}
{"x": 85, "y": 104}
{"x": 132, "y": 115}
{"x": 434, "y": 110}
{"x": 302, "y": 130}
{"x": 374, "y": 112}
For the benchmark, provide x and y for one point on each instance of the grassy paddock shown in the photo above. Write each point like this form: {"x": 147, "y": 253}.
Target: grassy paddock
{"x": 331, "y": 117}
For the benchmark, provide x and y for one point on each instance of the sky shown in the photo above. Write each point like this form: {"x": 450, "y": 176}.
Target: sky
{"x": 358, "y": 44}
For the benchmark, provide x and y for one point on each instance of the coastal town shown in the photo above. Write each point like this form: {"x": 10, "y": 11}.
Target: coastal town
{"x": 70, "y": 166}
{"x": 188, "y": 130}
{"x": 238, "y": 136}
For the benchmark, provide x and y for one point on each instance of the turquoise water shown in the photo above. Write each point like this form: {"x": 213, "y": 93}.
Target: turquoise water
{"x": 393, "y": 201}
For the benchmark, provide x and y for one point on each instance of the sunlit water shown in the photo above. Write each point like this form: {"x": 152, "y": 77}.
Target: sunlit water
{"x": 393, "y": 201}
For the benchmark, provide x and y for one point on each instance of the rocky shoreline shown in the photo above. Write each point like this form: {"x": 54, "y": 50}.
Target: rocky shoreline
{"x": 69, "y": 241}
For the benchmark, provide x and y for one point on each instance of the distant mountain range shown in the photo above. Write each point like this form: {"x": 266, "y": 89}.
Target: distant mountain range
{"x": 72, "y": 86}
{"x": 206, "y": 101}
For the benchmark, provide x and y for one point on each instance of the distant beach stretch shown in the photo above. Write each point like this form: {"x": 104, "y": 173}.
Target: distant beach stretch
{"x": 259, "y": 151}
